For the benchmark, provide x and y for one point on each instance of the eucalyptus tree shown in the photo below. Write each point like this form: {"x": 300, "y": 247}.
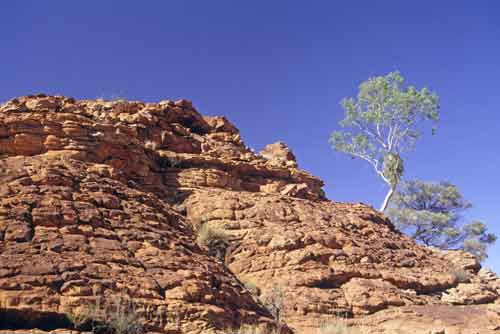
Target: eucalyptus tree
{"x": 384, "y": 121}
{"x": 432, "y": 214}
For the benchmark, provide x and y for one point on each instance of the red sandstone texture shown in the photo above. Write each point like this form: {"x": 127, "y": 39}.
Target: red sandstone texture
{"x": 102, "y": 200}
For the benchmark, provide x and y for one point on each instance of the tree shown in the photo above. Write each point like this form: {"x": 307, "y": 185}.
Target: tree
{"x": 386, "y": 119}
{"x": 431, "y": 213}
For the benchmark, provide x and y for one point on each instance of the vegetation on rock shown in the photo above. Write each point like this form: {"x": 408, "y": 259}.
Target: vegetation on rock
{"x": 432, "y": 213}
{"x": 82, "y": 213}
{"x": 116, "y": 317}
{"x": 385, "y": 121}
{"x": 209, "y": 236}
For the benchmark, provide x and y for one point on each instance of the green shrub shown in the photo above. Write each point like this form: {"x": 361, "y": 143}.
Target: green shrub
{"x": 252, "y": 287}
{"x": 461, "y": 276}
{"x": 208, "y": 236}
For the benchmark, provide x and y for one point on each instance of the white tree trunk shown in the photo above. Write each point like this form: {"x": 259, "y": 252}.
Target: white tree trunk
{"x": 387, "y": 199}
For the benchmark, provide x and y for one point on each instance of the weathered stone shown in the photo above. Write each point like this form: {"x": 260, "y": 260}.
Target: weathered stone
{"x": 470, "y": 293}
{"x": 103, "y": 200}
{"x": 279, "y": 154}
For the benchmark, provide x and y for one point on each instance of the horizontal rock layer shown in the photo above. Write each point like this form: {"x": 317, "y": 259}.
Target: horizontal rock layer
{"x": 100, "y": 202}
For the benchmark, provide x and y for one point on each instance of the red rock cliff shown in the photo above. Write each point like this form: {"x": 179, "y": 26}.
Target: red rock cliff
{"x": 103, "y": 200}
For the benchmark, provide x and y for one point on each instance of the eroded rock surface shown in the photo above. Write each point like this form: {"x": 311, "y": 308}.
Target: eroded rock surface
{"x": 85, "y": 213}
{"x": 431, "y": 319}
{"x": 332, "y": 258}
{"x": 103, "y": 199}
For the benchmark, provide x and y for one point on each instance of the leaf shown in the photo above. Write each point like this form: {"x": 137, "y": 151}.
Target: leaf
{"x": 431, "y": 213}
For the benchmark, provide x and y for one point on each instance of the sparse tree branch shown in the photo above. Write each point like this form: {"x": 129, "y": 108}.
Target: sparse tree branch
{"x": 431, "y": 214}
{"x": 384, "y": 115}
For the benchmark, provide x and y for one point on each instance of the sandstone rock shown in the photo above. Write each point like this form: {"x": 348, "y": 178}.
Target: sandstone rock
{"x": 460, "y": 259}
{"x": 73, "y": 229}
{"x": 329, "y": 258}
{"x": 486, "y": 275}
{"x": 475, "y": 319}
{"x": 102, "y": 200}
{"x": 369, "y": 295}
{"x": 473, "y": 293}
{"x": 279, "y": 154}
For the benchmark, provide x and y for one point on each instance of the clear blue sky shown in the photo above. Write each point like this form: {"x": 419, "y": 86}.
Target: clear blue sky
{"x": 278, "y": 69}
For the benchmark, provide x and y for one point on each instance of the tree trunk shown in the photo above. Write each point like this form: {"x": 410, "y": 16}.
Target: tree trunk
{"x": 387, "y": 199}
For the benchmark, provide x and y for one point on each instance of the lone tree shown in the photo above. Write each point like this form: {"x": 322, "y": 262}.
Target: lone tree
{"x": 385, "y": 119}
{"x": 431, "y": 213}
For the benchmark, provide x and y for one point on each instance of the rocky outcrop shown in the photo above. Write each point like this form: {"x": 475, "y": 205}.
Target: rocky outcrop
{"x": 279, "y": 154}
{"x": 332, "y": 258}
{"x": 431, "y": 319}
{"x": 86, "y": 212}
{"x": 101, "y": 203}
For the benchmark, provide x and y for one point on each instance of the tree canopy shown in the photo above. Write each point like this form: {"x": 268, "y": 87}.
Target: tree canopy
{"x": 432, "y": 213}
{"x": 385, "y": 120}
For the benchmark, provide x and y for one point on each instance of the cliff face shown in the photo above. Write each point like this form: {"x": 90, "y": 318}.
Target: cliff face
{"x": 102, "y": 201}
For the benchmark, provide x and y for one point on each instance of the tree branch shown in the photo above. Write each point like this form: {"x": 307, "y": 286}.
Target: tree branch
{"x": 372, "y": 134}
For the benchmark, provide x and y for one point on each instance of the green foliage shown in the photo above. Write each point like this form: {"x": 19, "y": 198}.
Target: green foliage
{"x": 385, "y": 120}
{"x": 208, "y": 235}
{"x": 461, "y": 276}
{"x": 393, "y": 168}
{"x": 431, "y": 213}
{"x": 252, "y": 287}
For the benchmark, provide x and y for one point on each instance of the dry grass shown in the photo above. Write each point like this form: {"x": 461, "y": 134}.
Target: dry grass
{"x": 208, "y": 235}
{"x": 338, "y": 324}
{"x": 334, "y": 328}
{"x": 118, "y": 316}
{"x": 251, "y": 329}
{"x": 461, "y": 276}
{"x": 252, "y": 287}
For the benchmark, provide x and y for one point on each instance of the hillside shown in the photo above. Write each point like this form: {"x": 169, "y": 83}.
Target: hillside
{"x": 102, "y": 201}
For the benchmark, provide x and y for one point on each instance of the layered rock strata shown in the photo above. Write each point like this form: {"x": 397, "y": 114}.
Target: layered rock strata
{"x": 104, "y": 200}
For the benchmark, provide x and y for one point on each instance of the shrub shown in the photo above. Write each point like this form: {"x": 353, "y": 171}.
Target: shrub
{"x": 338, "y": 324}
{"x": 461, "y": 276}
{"x": 275, "y": 302}
{"x": 118, "y": 317}
{"x": 334, "y": 328}
{"x": 252, "y": 287}
{"x": 251, "y": 329}
{"x": 209, "y": 236}
{"x": 338, "y": 327}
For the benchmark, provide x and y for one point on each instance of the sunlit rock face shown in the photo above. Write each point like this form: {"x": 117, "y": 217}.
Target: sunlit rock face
{"x": 101, "y": 202}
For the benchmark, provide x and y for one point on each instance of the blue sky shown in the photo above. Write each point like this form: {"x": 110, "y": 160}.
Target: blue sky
{"x": 278, "y": 70}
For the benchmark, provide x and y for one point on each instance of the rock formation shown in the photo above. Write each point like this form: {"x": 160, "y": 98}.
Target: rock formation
{"x": 101, "y": 203}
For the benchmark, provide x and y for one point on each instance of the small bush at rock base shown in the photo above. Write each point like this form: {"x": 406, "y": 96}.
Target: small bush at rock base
{"x": 114, "y": 317}
{"x": 251, "y": 329}
{"x": 252, "y": 287}
{"x": 338, "y": 324}
{"x": 208, "y": 235}
{"x": 461, "y": 276}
